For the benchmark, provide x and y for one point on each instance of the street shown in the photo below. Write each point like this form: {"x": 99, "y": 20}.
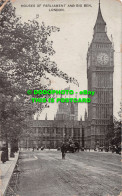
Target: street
{"x": 44, "y": 173}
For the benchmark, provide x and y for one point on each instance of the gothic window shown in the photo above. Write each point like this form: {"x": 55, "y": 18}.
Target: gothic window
{"x": 106, "y": 97}
{"x": 102, "y": 112}
{"x": 105, "y": 112}
{"x": 99, "y": 79}
{"x": 105, "y": 80}
{"x": 100, "y": 96}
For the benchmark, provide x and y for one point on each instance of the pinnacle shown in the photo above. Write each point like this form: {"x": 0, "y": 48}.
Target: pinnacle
{"x": 100, "y": 19}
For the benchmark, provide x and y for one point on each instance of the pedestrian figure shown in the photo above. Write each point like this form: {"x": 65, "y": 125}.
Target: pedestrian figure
{"x": 63, "y": 150}
{"x": 3, "y": 157}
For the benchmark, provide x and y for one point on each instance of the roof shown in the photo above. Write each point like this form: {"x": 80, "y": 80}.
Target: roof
{"x": 100, "y": 35}
{"x": 100, "y": 19}
{"x": 54, "y": 123}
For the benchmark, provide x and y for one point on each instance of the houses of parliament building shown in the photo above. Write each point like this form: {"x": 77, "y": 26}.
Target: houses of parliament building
{"x": 91, "y": 131}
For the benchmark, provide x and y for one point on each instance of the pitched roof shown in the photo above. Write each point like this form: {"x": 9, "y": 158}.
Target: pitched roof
{"x": 100, "y": 19}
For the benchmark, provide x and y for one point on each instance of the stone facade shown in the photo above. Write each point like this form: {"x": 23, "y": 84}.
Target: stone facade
{"x": 100, "y": 67}
{"x": 51, "y": 133}
{"x": 67, "y": 111}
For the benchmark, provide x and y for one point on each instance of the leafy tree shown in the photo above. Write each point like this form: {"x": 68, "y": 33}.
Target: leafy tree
{"x": 113, "y": 135}
{"x": 25, "y": 50}
{"x": 116, "y": 140}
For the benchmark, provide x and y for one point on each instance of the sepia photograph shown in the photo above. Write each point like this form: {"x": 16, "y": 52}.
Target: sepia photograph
{"x": 60, "y": 97}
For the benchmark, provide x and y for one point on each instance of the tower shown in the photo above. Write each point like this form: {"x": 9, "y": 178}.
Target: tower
{"x": 67, "y": 111}
{"x": 46, "y": 116}
{"x": 100, "y": 68}
{"x": 85, "y": 116}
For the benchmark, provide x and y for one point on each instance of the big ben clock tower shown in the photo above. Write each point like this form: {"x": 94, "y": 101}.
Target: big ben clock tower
{"x": 100, "y": 67}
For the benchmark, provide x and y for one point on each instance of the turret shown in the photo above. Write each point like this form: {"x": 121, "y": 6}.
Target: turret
{"x": 46, "y": 116}
{"x": 85, "y": 116}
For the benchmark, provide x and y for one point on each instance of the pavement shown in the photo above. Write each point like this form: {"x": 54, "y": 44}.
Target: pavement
{"x": 6, "y": 171}
{"x": 44, "y": 173}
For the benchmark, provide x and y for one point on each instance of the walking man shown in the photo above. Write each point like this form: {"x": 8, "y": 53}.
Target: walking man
{"x": 63, "y": 150}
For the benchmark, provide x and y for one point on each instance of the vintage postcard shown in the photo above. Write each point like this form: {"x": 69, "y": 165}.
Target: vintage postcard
{"x": 60, "y": 97}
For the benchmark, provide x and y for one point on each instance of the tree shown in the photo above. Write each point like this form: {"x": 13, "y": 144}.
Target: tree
{"x": 25, "y": 50}
{"x": 113, "y": 135}
{"x": 116, "y": 140}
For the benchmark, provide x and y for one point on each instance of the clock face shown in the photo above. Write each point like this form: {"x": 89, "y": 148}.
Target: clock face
{"x": 102, "y": 58}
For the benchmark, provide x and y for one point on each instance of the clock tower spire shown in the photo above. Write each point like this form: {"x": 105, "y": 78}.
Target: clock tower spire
{"x": 100, "y": 28}
{"x": 100, "y": 23}
{"x": 100, "y": 67}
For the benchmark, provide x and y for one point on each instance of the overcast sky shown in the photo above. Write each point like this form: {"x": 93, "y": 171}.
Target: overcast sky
{"x": 71, "y": 42}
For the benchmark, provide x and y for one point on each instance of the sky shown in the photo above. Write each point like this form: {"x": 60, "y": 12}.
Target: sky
{"x": 71, "y": 42}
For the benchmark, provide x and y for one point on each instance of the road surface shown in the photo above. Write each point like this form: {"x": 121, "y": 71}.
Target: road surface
{"x": 44, "y": 173}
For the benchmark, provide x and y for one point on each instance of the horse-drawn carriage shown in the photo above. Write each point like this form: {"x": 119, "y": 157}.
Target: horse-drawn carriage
{"x": 72, "y": 146}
